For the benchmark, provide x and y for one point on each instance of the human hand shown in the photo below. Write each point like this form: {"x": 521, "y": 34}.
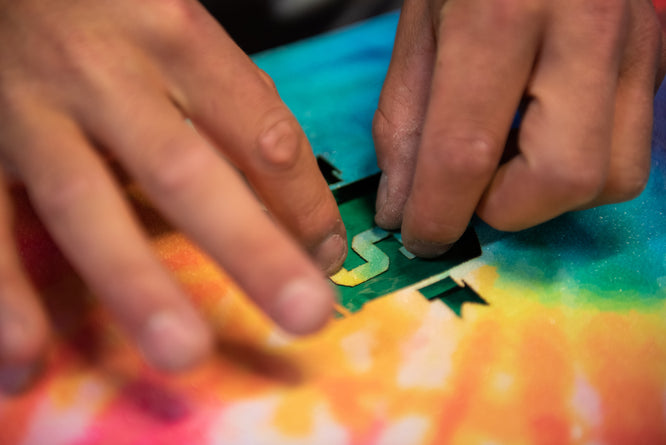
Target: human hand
{"x": 84, "y": 80}
{"x": 585, "y": 71}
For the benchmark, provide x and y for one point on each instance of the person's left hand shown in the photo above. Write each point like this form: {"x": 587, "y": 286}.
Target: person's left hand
{"x": 84, "y": 81}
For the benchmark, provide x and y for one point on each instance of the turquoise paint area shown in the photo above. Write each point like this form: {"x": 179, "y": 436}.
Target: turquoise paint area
{"x": 613, "y": 256}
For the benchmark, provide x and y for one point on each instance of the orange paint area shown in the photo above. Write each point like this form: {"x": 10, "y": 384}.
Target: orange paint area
{"x": 402, "y": 370}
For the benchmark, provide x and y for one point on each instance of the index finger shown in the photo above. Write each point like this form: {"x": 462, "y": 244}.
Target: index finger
{"x": 485, "y": 54}
{"x": 237, "y": 106}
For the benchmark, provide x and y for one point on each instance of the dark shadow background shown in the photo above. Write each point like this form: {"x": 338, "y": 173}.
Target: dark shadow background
{"x": 254, "y": 26}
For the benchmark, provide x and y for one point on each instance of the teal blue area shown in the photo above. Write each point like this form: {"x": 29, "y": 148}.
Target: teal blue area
{"x": 612, "y": 254}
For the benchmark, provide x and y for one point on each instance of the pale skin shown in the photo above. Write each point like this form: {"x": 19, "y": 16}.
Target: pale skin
{"x": 82, "y": 78}
{"x": 82, "y": 81}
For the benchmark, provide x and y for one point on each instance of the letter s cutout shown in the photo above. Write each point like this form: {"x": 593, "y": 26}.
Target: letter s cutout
{"x": 377, "y": 261}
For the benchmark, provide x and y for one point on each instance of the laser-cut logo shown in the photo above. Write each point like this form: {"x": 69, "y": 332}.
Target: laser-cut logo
{"x": 378, "y": 263}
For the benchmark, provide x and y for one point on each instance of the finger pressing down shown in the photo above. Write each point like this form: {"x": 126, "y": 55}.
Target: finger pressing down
{"x": 237, "y": 107}
{"x": 199, "y": 191}
{"x": 80, "y": 205}
{"x": 484, "y": 56}
{"x": 398, "y": 122}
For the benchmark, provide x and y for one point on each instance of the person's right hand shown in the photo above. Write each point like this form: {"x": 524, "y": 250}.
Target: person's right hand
{"x": 583, "y": 73}
{"x": 84, "y": 80}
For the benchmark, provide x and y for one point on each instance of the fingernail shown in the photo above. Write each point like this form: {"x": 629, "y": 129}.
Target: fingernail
{"x": 331, "y": 253}
{"x": 303, "y": 306}
{"x": 382, "y": 194}
{"x": 13, "y": 334}
{"x": 174, "y": 342}
{"x": 426, "y": 249}
{"x": 388, "y": 209}
{"x": 16, "y": 378}
{"x": 14, "y": 339}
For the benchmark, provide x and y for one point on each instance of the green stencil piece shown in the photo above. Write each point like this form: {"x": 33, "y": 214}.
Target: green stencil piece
{"x": 439, "y": 289}
{"x": 377, "y": 263}
{"x": 452, "y": 295}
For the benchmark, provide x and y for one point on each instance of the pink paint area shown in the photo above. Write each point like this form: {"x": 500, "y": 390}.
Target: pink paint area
{"x": 151, "y": 412}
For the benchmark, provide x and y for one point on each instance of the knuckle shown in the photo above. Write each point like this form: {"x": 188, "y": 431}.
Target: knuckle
{"x": 173, "y": 27}
{"x": 84, "y": 60}
{"x": 391, "y": 133}
{"x": 509, "y": 13}
{"x": 498, "y": 14}
{"x": 57, "y": 191}
{"x": 626, "y": 185}
{"x": 279, "y": 141}
{"x": 268, "y": 80}
{"x": 74, "y": 53}
{"x": 477, "y": 155}
{"x": 175, "y": 16}
{"x": 578, "y": 183}
{"x": 172, "y": 168}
